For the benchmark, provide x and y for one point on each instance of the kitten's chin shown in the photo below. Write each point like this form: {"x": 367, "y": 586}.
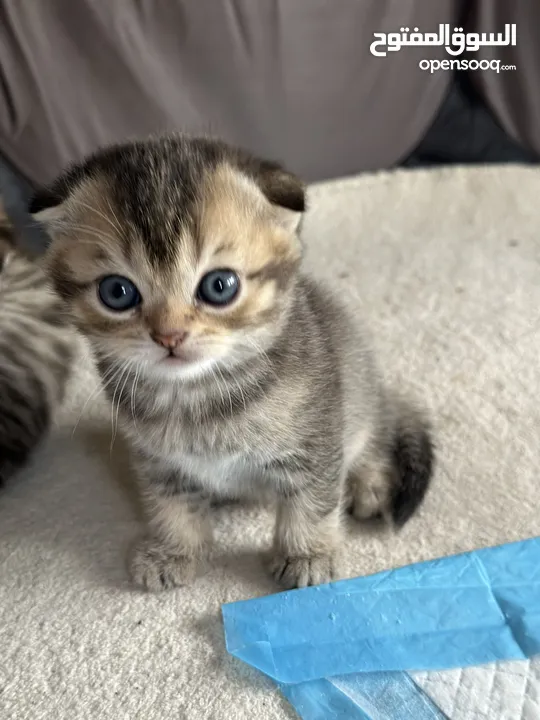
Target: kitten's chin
{"x": 173, "y": 368}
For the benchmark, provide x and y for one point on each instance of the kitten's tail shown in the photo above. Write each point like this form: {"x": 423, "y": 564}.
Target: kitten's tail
{"x": 413, "y": 459}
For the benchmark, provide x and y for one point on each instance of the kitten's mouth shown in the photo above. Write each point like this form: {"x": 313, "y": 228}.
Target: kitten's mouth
{"x": 179, "y": 358}
{"x": 173, "y": 360}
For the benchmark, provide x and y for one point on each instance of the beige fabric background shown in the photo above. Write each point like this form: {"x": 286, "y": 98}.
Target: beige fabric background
{"x": 444, "y": 265}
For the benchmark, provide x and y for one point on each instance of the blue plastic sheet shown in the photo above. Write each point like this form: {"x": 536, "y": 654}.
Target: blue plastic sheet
{"x": 367, "y": 696}
{"x": 464, "y": 610}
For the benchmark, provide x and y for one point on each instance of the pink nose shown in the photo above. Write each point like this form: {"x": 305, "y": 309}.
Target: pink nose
{"x": 170, "y": 340}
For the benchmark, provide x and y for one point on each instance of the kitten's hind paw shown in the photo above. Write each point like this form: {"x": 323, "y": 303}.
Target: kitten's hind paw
{"x": 155, "y": 567}
{"x": 298, "y": 572}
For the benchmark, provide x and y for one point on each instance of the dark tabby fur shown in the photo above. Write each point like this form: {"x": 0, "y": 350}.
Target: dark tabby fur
{"x": 275, "y": 392}
{"x": 35, "y": 353}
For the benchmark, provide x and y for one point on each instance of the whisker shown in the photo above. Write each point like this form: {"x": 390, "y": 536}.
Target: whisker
{"x": 117, "y": 223}
{"x": 133, "y": 395}
{"x": 100, "y": 235}
{"x": 114, "y": 424}
{"x": 119, "y": 400}
{"x": 226, "y": 388}
{"x": 100, "y": 214}
{"x": 218, "y": 385}
{"x": 262, "y": 352}
{"x": 102, "y": 383}
{"x": 240, "y": 388}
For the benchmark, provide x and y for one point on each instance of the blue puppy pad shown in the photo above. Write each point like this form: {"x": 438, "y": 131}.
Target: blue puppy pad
{"x": 367, "y": 696}
{"x": 469, "y": 609}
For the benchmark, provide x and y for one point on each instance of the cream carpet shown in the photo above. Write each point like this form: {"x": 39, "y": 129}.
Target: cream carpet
{"x": 445, "y": 267}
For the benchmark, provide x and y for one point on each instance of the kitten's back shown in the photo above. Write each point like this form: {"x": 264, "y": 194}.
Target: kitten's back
{"x": 36, "y": 346}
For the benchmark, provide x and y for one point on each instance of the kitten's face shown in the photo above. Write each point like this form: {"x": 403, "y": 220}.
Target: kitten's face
{"x": 174, "y": 274}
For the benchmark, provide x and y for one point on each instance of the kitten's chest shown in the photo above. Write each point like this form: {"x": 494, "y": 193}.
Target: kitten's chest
{"x": 226, "y": 452}
{"x": 232, "y": 475}
{"x": 172, "y": 423}
{"x": 219, "y": 462}
{"x": 178, "y": 434}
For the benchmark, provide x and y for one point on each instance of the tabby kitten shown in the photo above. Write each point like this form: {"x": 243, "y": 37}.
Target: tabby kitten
{"x": 236, "y": 374}
{"x": 35, "y": 354}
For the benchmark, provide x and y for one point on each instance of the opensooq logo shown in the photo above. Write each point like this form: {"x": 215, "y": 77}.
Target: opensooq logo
{"x": 455, "y": 43}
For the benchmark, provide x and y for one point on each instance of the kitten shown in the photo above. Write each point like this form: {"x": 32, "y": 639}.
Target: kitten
{"x": 35, "y": 354}
{"x": 235, "y": 373}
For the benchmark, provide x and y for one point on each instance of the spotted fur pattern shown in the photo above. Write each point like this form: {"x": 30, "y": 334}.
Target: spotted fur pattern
{"x": 276, "y": 393}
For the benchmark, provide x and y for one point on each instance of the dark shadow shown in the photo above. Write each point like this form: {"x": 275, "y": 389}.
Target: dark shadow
{"x": 118, "y": 458}
{"x": 88, "y": 516}
{"x": 371, "y": 526}
{"x": 466, "y": 132}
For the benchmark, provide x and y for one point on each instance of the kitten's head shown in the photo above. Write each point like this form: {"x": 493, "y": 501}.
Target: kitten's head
{"x": 175, "y": 254}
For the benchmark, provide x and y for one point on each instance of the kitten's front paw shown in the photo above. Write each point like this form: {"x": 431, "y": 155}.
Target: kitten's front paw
{"x": 298, "y": 572}
{"x": 155, "y": 567}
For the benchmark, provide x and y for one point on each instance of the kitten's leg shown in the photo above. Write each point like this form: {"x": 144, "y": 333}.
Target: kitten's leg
{"x": 371, "y": 484}
{"x": 308, "y": 534}
{"x": 178, "y": 535}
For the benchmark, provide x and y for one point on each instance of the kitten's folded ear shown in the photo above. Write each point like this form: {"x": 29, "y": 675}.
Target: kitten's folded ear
{"x": 281, "y": 187}
{"x": 47, "y": 207}
{"x": 284, "y": 190}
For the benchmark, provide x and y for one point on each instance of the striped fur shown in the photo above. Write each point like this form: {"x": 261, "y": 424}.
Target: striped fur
{"x": 35, "y": 355}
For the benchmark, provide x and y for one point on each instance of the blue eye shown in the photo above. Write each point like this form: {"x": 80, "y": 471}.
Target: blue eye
{"x": 118, "y": 293}
{"x": 218, "y": 287}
